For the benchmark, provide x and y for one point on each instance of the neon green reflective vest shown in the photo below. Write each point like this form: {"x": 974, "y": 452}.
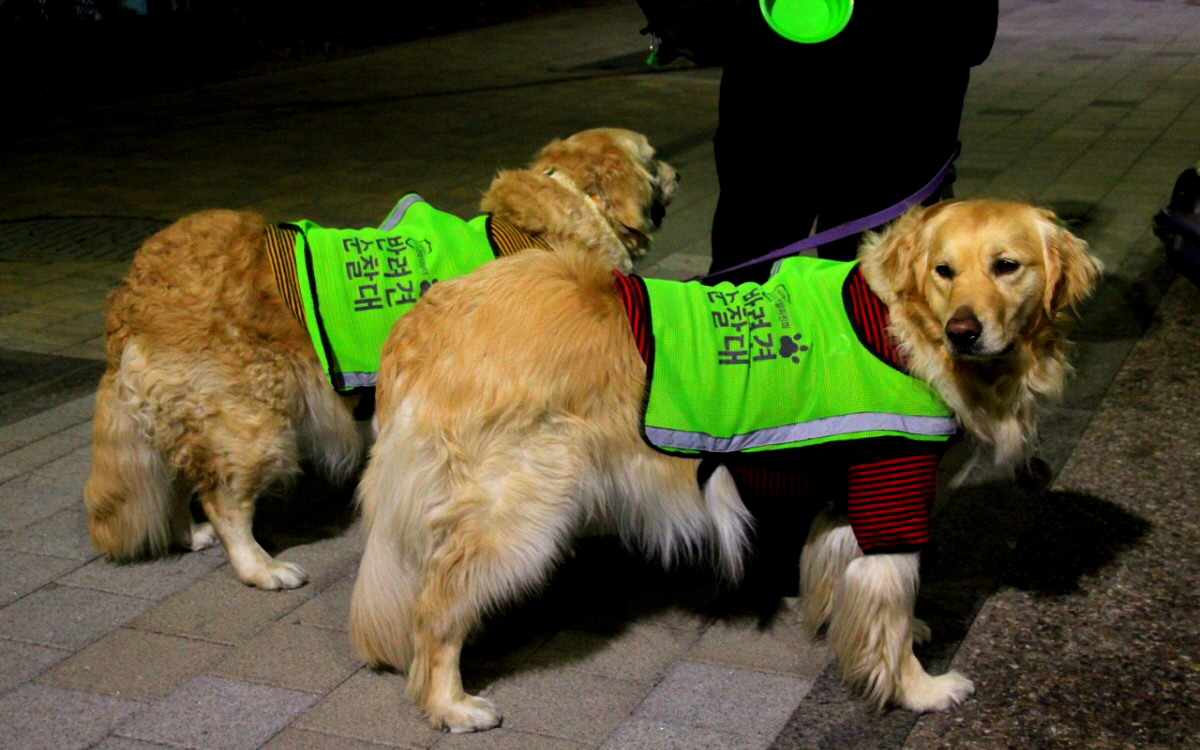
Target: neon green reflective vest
{"x": 355, "y": 283}
{"x": 776, "y": 365}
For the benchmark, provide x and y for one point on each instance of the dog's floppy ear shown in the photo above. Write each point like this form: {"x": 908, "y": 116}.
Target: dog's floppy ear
{"x": 893, "y": 257}
{"x": 1071, "y": 270}
{"x": 618, "y": 180}
{"x": 608, "y": 171}
{"x": 625, "y": 187}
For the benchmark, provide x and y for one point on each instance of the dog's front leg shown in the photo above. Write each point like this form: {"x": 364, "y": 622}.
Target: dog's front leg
{"x": 871, "y": 631}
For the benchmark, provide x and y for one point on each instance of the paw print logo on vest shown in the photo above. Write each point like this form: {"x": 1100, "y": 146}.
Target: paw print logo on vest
{"x": 790, "y": 347}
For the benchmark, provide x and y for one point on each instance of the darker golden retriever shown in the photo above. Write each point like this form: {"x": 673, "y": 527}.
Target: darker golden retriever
{"x": 219, "y": 370}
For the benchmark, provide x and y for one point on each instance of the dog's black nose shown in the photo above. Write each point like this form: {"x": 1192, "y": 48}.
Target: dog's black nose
{"x": 963, "y": 329}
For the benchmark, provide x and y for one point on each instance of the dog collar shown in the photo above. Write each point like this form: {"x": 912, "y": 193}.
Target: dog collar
{"x": 569, "y": 184}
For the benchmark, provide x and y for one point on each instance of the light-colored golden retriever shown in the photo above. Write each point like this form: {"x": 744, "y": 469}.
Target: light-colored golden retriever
{"x": 510, "y": 409}
{"x": 214, "y": 391}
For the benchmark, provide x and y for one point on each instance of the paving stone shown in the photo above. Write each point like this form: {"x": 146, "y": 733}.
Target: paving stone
{"x": 297, "y": 657}
{"x": 638, "y": 652}
{"x": 642, "y": 734}
{"x": 209, "y": 712}
{"x": 327, "y": 560}
{"x": 30, "y": 382}
{"x": 503, "y": 738}
{"x": 678, "y": 266}
{"x": 124, "y": 743}
{"x": 69, "y": 474}
{"x": 730, "y": 700}
{"x": 135, "y": 664}
{"x": 783, "y": 647}
{"x": 33, "y": 496}
{"x": 301, "y": 739}
{"x": 61, "y": 534}
{"x": 221, "y": 609}
{"x": 50, "y": 421}
{"x": 566, "y": 703}
{"x": 25, "y": 572}
{"x": 22, "y": 662}
{"x": 66, "y": 617}
{"x": 29, "y": 456}
{"x": 330, "y": 610}
{"x": 44, "y": 717}
{"x": 372, "y": 707}
{"x": 149, "y": 579}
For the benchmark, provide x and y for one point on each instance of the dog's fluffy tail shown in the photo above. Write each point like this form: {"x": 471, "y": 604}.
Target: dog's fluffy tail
{"x": 729, "y": 522}
{"x": 128, "y": 493}
{"x": 329, "y": 434}
{"x": 673, "y": 520}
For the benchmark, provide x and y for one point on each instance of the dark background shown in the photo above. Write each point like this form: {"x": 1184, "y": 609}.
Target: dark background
{"x": 58, "y": 52}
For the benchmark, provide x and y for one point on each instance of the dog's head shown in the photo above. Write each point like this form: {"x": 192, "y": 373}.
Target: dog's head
{"x": 618, "y": 171}
{"x": 976, "y": 291}
{"x": 982, "y": 275}
{"x": 602, "y": 190}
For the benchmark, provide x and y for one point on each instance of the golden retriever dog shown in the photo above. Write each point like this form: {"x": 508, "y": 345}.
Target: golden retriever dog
{"x": 215, "y": 389}
{"x": 513, "y": 412}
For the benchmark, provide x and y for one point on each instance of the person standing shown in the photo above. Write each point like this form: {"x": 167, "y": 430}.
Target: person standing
{"x": 811, "y": 136}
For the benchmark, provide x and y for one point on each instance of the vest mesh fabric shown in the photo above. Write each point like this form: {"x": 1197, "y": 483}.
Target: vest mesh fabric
{"x": 885, "y": 486}
{"x": 774, "y": 365}
{"x": 354, "y": 284}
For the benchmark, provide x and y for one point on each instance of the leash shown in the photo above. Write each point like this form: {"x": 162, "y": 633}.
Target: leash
{"x": 849, "y": 228}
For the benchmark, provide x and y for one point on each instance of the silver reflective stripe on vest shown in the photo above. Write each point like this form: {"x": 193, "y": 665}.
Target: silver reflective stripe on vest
{"x": 358, "y": 379}
{"x": 803, "y": 431}
{"x": 396, "y": 215}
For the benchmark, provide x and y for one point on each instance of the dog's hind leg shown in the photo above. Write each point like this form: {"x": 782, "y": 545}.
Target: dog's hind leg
{"x": 493, "y": 543}
{"x": 232, "y": 482}
{"x": 507, "y": 516}
{"x": 229, "y": 504}
{"x": 871, "y": 631}
{"x": 135, "y": 508}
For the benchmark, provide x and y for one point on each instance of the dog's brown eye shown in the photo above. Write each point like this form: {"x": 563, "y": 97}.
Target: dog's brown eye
{"x": 943, "y": 270}
{"x": 1003, "y": 267}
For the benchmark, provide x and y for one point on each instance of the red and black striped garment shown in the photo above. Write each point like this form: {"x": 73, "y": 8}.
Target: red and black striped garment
{"x": 885, "y": 486}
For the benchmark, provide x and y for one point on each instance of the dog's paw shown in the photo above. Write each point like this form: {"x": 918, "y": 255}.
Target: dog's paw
{"x": 276, "y": 575}
{"x": 201, "y": 537}
{"x": 928, "y": 693}
{"x": 471, "y": 714}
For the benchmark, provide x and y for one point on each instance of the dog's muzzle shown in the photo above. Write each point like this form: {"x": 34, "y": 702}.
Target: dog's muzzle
{"x": 963, "y": 331}
{"x": 664, "y": 193}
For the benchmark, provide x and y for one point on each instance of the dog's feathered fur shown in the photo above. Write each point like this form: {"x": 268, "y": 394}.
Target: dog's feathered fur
{"x": 213, "y": 388}
{"x": 509, "y": 411}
